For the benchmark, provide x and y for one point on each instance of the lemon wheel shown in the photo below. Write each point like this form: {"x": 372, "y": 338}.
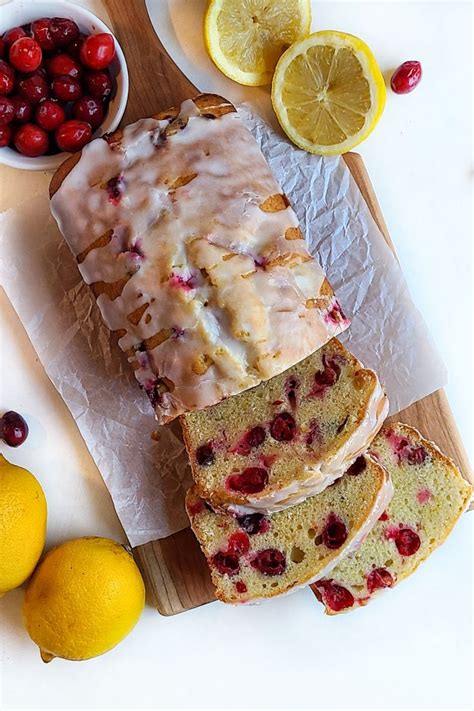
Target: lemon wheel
{"x": 245, "y": 38}
{"x": 328, "y": 92}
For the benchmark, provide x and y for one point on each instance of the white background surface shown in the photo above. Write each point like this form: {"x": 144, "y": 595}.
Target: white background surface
{"x": 411, "y": 648}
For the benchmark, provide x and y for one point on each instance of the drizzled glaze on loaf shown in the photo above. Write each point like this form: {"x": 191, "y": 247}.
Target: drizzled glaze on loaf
{"x": 195, "y": 256}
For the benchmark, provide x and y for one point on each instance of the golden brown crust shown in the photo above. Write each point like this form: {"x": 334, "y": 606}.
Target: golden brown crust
{"x": 212, "y": 105}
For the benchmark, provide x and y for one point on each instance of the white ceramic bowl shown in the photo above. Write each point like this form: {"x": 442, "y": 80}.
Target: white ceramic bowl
{"x": 19, "y": 12}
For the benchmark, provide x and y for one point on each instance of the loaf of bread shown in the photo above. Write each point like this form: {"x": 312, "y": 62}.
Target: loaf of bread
{"x": 288, "y": 438}
{"x": 429, "y": 496}
{"x": 194, "y": 255}
{"x": 253, "y": 557}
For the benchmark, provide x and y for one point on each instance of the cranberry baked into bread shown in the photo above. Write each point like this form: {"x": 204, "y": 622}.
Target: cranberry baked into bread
{"x": 430, "y": 495}
{"x": 253, "y": 557}
{"x": 288, "y": 438}
{"x": 194, "y": 255}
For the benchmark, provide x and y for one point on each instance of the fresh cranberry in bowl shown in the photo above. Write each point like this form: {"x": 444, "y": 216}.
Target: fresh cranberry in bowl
{"x": 63, "y": 31}
{"x": 23, "y": 109}
{"x": 97, "y": 51}
{"x": 7, "y": 110}
{"x": 66, "y": 88}
{"x": 89, "y": 109}
{"x": 31, "y": 140}
{"x": 63, "y": 65}
{"x": 74, "y": 47}
{"x": 73, "y": 135}
{"x": 5, "y": 135}
{"x": 34, "y": 88}
{"x": 41, "y": 31}
{"x": 7, "y": 78}
{"x": 98, "y": 84}
{"x": 11, "y": 36}
{"x": 50, "y": 115}
{"x": 25, "y": 54}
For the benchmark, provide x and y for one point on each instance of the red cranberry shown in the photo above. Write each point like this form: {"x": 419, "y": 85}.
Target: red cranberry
{"x": 31, "y": 140}
{"x": 291, "y": 387}
{"x": 251, "y": 481}
{"x": 41, "y": 31}
{"x": 73, "y": 135}
{"x": 406, "y": 77}
{"x": 23, "y": 109}
{"x": 5, "y": 135}
{"x": 34, "y": 88}
{"x": 63, "y": 65}
{"x": 336, "y": 597}
{"x": 269, "y": 562}
{"x": 7, "y": 110}
{"x": 379, "y": 578}
{"x": 89, "y": 109}
{"x": 98, "y": 84}
{"x": 334, "y": 533}
{"x": 196, "y": 508}
{"x": 330, "y": 375}
{"x": 252, "y": 439}
{"x": 283, "y": 427}
{"x": 240, "y": 586}
{"x": 384, "y": 516}
{"x": 7, "y": 78}
{"x": 66, "y": 88}
{"x": 416, "y": 455}
{"x": 97, "y": 51}
{"x": 25, "y": 54}
{"x": 63, "y": 31}
{"x": 407, "y": 541}
{"x": 11, "y": 36}
{"x": 253, "y": 523}
{"x": 314, "y": 434}
{"x": 50, "y": 115}
{"x": 238, "y": 544}
{"x": 13, "y": 428}
{"x": 115, "y": 188}
{"x": 226, "y": 563}
{"x": 204, "y": 453}
{"x": 74, "y": 47}
{"x": 2, "y": 48}
{"x": 357, "y": 467}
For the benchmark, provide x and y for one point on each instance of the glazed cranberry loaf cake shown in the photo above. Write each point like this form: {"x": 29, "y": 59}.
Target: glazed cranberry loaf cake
{"x": 430, "y": 495}
{"x": 288, "y": 438}
{"x": 253, "y": 557}
{"x": 194, "y": 255}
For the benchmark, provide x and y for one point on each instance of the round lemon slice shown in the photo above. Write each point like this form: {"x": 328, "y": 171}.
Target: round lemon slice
{"x": 245, "y": 38}
{"x": 328, "y": 92}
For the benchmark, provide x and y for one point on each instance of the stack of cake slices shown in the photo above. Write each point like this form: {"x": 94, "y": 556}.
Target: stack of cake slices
{"x": 201, "y": 271}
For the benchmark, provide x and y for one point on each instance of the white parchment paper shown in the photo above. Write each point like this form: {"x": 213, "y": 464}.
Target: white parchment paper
{"x": 145, "y": 467}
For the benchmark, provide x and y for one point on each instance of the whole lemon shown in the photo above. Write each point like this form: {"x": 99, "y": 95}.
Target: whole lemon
{"x": 23, "y": 515}
{"x": 84, "y": 598}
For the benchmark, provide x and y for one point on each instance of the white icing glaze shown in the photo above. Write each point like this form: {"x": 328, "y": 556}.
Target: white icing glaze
{"x": 382, "y": 501}
{"x": 199, "y": 258}
{"x": 322, "y": 474}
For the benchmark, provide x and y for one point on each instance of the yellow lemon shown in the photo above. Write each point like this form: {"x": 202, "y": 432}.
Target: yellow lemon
{"x": 245, "y": 38}
{"x": 84, "y": 598}
{"x": 328, "y": 92}
{"x": 23, "y": 515}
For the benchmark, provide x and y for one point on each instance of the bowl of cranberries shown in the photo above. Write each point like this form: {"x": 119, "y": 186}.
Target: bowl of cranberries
{"x": 63, "y": 81}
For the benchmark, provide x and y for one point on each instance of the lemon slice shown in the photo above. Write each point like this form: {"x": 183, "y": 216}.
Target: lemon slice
{"x": 245, "y": 38}
{"x": 328, "y": 92}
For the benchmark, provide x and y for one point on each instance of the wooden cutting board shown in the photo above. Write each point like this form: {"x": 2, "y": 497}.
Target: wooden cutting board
{"x": 174, "y": 568}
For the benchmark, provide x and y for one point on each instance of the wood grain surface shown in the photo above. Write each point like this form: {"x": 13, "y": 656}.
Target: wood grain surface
{"x": 174, "y": 568}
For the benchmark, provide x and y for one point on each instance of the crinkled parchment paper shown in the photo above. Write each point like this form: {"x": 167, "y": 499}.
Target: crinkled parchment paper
{"x": 147, "y": 478}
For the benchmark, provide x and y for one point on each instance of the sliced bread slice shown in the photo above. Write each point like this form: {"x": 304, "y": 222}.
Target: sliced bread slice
{"x": 430, "y": 495}
{"x": 253, "y": 557}
{"x": 288, "y": 438}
